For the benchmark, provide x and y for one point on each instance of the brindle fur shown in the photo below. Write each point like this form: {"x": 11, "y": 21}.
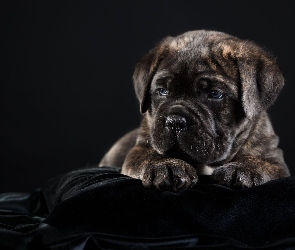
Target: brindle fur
{"x": 232, "y": 135}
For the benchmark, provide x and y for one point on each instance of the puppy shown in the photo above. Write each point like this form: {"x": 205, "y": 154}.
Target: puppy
{"x": 203, "y": 96}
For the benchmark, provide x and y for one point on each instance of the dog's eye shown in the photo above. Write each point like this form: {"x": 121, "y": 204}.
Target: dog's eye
{"x": 215, "y": 94}
{"x": 162, "y": 91}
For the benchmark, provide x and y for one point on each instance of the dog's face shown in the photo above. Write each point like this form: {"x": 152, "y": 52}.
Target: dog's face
{"x": 201, "y": 91}
{"x": 190, "y": 114}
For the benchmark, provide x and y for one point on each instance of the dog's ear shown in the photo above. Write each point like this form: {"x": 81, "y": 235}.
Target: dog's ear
{"x": 261, "y": 79}
{"x": 145, "y": 71}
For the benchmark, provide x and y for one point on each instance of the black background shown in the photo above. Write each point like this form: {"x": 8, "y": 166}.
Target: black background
{"x": 66, "y": 92}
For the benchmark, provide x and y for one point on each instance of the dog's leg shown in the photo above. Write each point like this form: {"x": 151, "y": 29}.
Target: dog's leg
{"x": 248, "y": 171}
{"x": 158, "y": 171}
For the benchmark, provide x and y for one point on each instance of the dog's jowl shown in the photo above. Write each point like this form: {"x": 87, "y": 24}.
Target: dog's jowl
{"x": 203, "y": 96}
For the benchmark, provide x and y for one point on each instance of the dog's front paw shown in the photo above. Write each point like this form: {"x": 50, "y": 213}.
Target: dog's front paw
{"x": 169, "y": 174}
{"x": 235, "y": 175}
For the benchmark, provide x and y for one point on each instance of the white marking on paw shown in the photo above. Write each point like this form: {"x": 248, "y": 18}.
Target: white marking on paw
{"x": 206, "y": 170}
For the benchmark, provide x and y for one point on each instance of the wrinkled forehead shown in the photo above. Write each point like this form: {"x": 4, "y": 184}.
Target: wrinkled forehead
{"x": 198, "y": 54}
{"x": 194, "y": 58}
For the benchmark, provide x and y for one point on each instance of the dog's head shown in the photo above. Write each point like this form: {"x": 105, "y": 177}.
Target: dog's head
{"x": 201, "y": 90}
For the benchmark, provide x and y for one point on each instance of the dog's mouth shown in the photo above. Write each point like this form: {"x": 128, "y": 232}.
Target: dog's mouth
{"x": 191, "y": 144}
{"x": 176, "y": 152}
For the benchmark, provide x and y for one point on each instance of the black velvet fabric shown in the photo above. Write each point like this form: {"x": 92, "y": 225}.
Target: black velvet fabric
{"x": 98, "y": 208}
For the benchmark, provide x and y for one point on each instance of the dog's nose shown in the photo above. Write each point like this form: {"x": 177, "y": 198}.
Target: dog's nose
{"x": 176, "y": 123}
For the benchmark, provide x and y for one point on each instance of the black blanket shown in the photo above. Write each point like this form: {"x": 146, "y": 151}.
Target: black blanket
{"x": 98, "y": 208}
